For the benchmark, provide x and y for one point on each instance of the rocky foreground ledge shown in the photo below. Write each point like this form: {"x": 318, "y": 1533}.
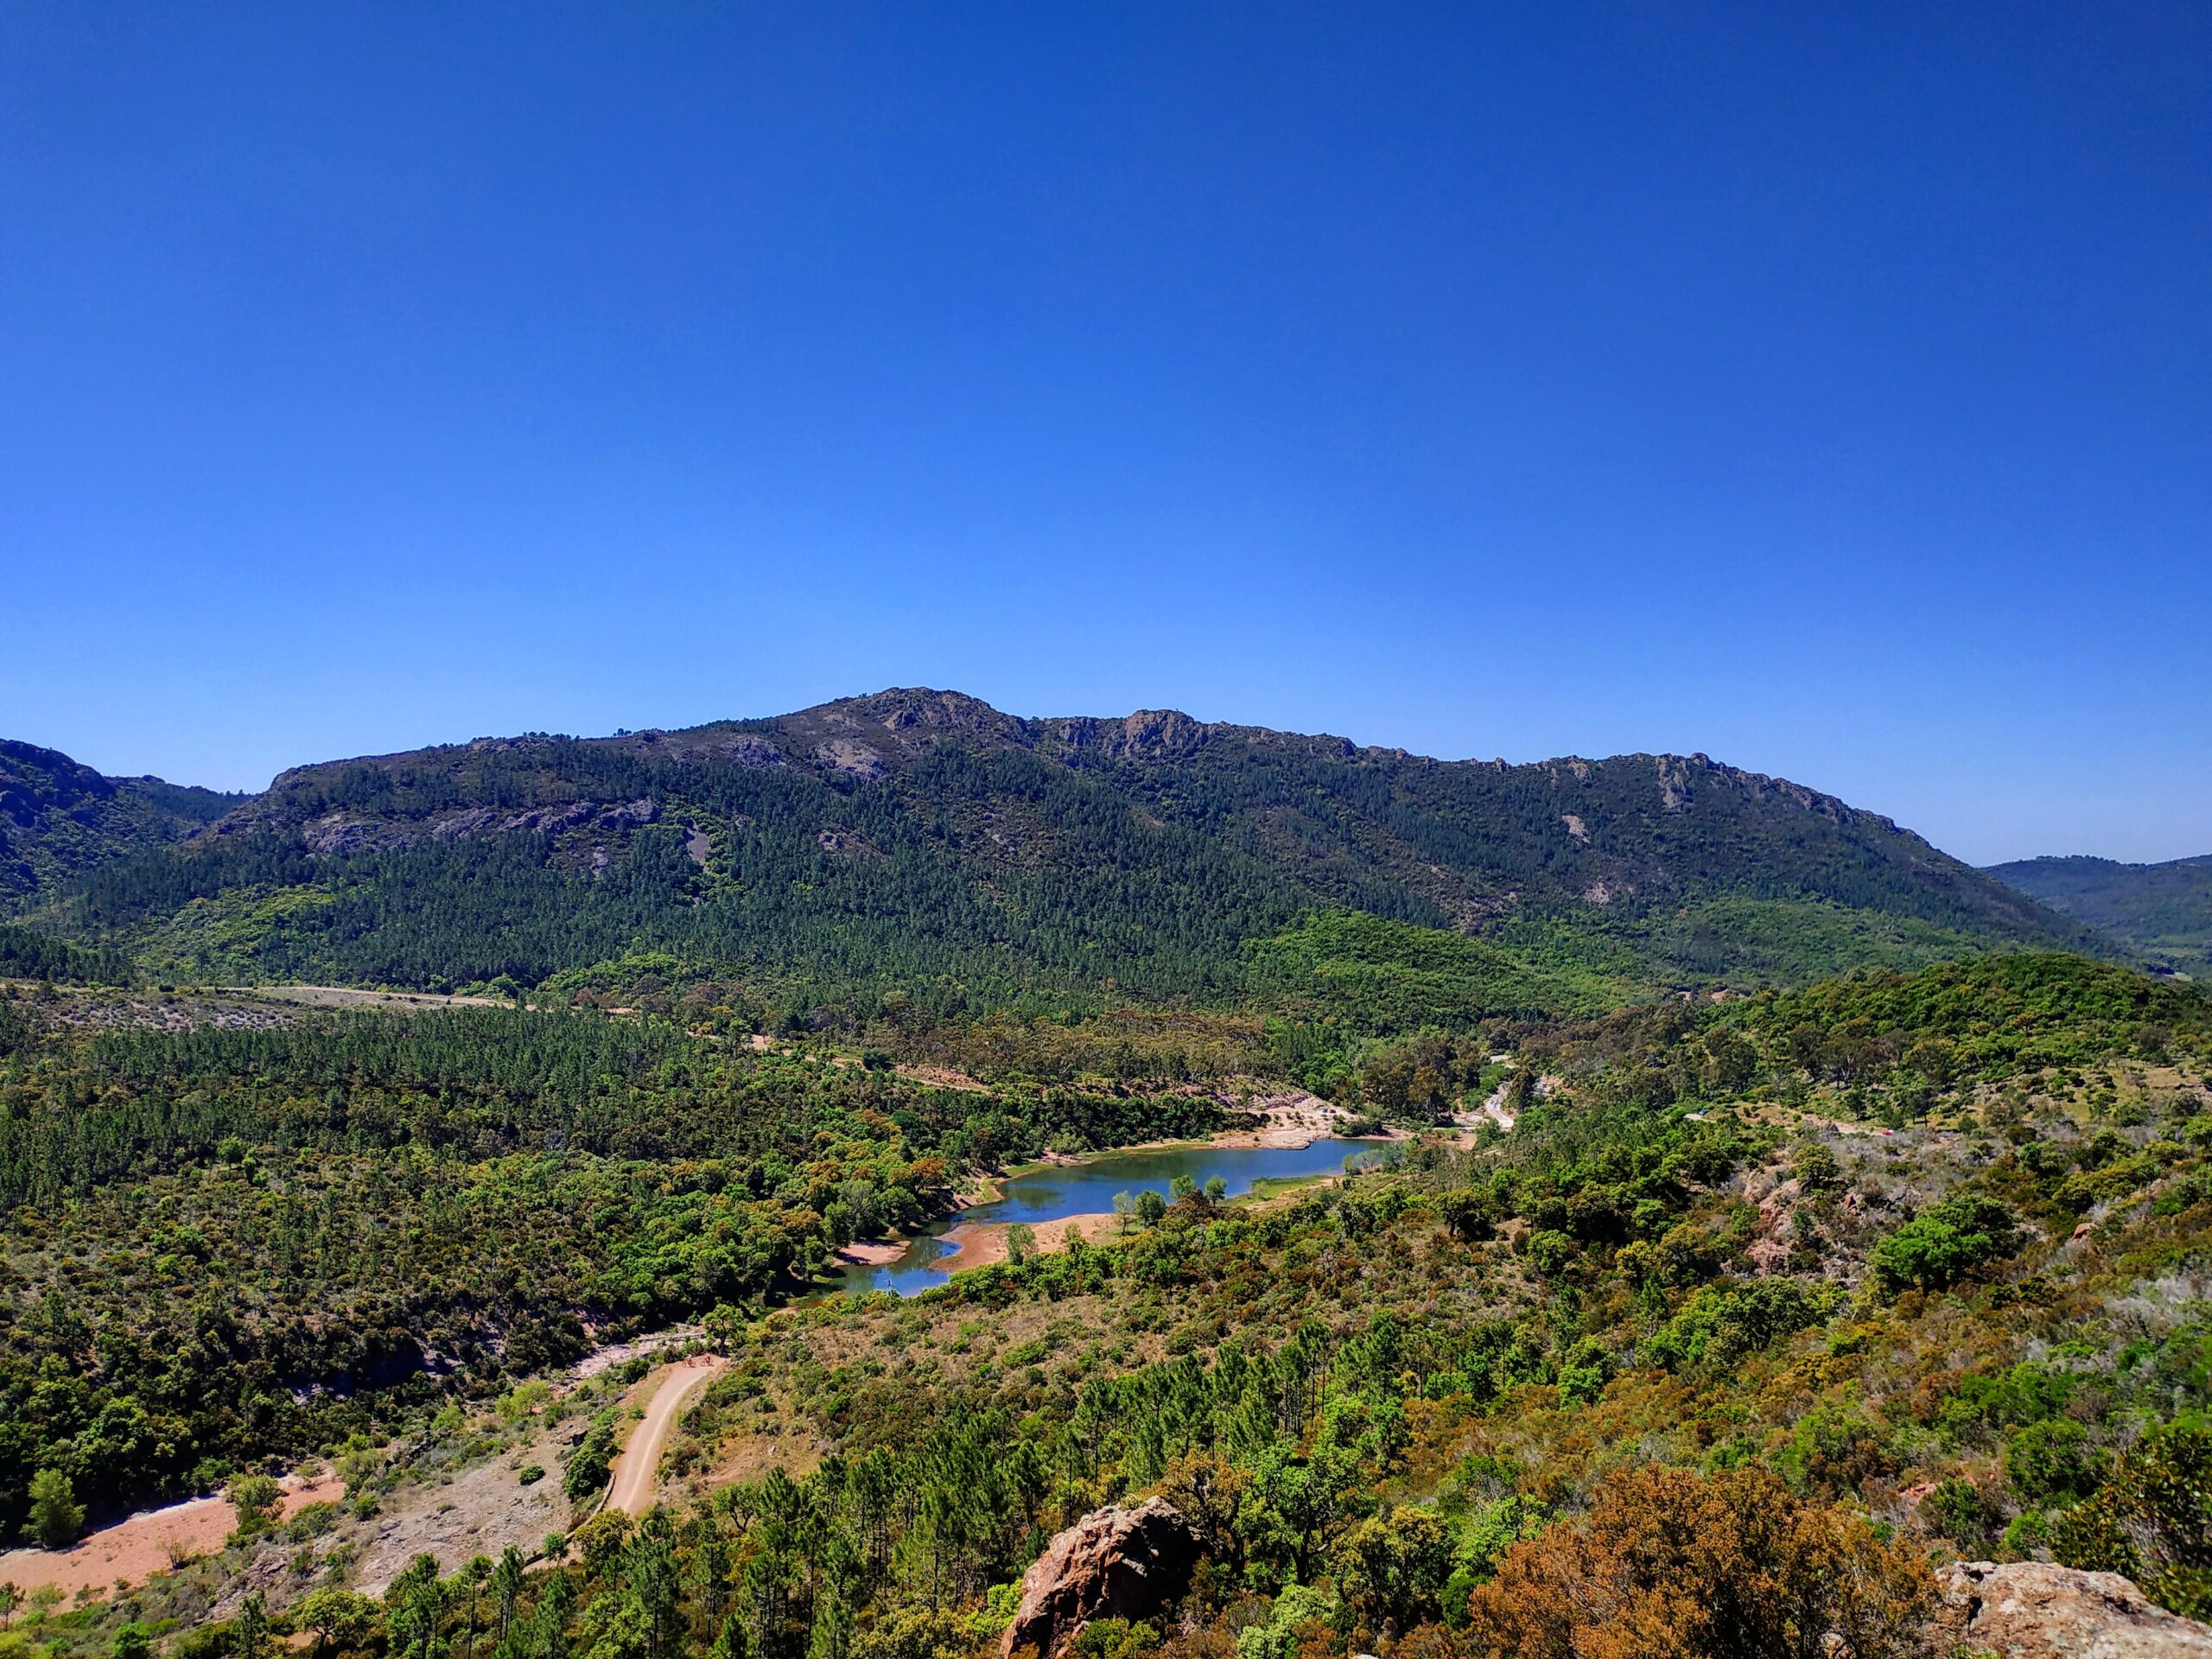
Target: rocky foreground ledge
{"x": 2031, "y": 1610}
{"x": 1118, "y": 1563}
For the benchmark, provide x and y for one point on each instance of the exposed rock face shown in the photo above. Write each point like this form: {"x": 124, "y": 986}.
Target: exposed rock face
{"x": 2029, "y": 1609}
{"x": 1112, "y": 1564}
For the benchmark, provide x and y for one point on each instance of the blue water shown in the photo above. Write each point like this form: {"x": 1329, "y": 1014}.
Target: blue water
{"x": 1088, "y": 1189}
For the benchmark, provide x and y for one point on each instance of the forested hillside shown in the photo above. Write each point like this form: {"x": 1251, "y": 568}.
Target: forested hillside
{"x": 1804, "y": 1289}
{"x": 59, "y": 819}
{"x": 2162, "y": 910}
{"x": 1760, "y": 1208}
{"x": 246, "y": 1240}
{"x": 924, "y": 842}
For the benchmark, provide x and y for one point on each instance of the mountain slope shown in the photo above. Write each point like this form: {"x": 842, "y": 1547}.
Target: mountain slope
{"x": 2163, "y": 910}
{"x": 59, "y": 819}
{"x": 979, "y": 858}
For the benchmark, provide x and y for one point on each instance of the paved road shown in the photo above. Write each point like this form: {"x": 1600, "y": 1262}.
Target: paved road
{"x": 636, "y": 1471}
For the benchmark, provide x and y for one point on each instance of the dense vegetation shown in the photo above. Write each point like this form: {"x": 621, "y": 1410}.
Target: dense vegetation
{"x": 925, "y": 843}
{"x": 1696, "y": 1352}
{"x": 226, "y": 1243}
{"x": 59, "y": 819}
{"x": 1820, "y": 1223}
{"x": 2162, "y": 911}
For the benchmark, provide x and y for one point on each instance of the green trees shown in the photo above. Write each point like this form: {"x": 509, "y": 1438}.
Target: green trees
{"x": 294, "y": 1215}
{"x": 56, "y": 1516}
{"x": 590, "y": 1463}
{"x": 507, "y": 1591}
{"x": 337, "y": 1617}
{"x": 1392, "y": 1568}
{"x": 254, "y": 1498}
{"x": 1723, "y": 1325}
{"x": 1944, "y": 1244}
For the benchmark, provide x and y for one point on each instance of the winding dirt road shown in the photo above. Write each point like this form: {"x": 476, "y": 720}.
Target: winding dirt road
{"x": 637, "y": 1470}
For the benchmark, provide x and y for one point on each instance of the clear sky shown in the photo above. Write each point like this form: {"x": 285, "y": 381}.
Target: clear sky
{"x": 1827, "y": 388}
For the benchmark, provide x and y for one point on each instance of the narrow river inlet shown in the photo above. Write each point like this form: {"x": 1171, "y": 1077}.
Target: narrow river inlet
{"x": 1058, "y": 1191}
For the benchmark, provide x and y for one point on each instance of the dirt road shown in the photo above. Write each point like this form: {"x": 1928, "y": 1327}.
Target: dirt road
{"x": 636, "y": 1471}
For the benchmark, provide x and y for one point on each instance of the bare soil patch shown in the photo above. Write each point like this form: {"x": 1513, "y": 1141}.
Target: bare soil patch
{"x": 872, "y": 1253}
{"x": 978, "y": 1244}
{"x": 153, "y": 1541}
{"x": 479, "y": 1512}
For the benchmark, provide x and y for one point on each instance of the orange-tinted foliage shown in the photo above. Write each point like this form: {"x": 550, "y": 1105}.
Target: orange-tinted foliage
{"x": 1671, "y": 1564}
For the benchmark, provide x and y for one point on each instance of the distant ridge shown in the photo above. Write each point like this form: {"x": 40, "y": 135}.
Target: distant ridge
{"x": 923, "y": 838}
{"x": 59, "y": 819}
{"x": 2162, "y": 910}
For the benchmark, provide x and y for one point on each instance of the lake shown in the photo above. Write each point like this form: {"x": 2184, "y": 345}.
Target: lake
{"x": 1088, "y": 1189}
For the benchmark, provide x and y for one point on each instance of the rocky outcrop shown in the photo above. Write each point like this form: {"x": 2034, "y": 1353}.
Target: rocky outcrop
{"x": 2031, "y": 1610}
{"x": 1112, "y": 1564}
{"x": 343, "y": 832}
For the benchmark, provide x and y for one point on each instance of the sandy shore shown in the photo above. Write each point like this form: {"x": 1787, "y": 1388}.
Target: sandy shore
{"x": 153, "y": 1541}
{"x": 872, "y": 1253}
{"x": 978, "y": 1244}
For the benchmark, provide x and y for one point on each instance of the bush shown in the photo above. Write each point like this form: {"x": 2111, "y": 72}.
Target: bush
{"x": 1392, "y": 1567}
{"x": 1669, "y": 1565}
{"x": 591, "y": 1464}
{"x": 255, "y": 1499}
{"x": 2049, "y": 1462}
{"x": 56, "y": 1516}
{"x": 1722, "y": 1325}
{"x": 2152, "y": 1522}
{"x": 1958, "y": 1510}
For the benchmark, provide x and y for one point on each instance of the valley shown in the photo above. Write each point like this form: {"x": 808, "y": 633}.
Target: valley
{"x": 752, "y": 1190}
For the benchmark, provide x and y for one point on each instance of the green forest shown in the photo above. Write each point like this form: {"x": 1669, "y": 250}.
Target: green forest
{"x": 969, "y": 862}
{"x": 1885, "y": 1262}
{"x": 1759, "y": 1211}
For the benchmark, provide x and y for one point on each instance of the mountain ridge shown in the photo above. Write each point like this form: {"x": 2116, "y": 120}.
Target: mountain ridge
{"x": 926, "y": 836}
{"x": 60, "y": 817}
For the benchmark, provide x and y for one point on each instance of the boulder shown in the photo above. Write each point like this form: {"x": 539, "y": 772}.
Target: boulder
{"x": 1113, "y": 1563}
{"x": 2032, "y": 1610}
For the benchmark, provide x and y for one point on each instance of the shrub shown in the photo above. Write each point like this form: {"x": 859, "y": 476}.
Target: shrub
{"x": 1733, "y": 1566}
{"x": 1958, "y": 1510}
{"x": 255, "y": 1499}
{"x": 2152, "y": 1522}
{"x": 1671, "y": 1565}
{"x": 56, "y": 1516}
{"x": 590, "y": 1463}
{"x": 1392, "y": 1568}
{"x": 1721, "y": 1324}
{"x": 2049, "y": 1461}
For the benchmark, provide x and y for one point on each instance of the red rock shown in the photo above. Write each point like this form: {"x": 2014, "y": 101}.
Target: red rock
{"x": 1113, "y": 1563}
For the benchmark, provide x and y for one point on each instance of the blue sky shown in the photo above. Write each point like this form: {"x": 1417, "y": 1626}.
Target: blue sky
{"x": 1827, "y": 389}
